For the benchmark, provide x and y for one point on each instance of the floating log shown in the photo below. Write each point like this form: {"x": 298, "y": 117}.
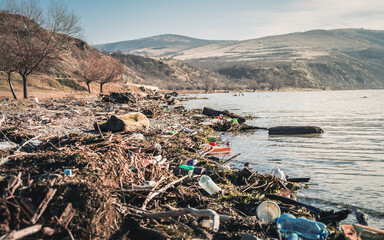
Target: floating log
{"x": 291, "y": 130}
{"x": 212, "y": 113}
{"x": 298, "y": 179}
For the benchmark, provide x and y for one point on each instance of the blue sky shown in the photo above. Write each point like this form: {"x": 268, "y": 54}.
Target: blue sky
{"x": 118, "y": 20}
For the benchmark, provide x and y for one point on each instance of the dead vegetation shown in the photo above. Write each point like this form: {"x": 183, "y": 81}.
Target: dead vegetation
{"x": 83, "y": 184}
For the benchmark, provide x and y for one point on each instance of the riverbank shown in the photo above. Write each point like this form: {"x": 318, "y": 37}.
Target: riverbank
{"x": 80, "y": 183}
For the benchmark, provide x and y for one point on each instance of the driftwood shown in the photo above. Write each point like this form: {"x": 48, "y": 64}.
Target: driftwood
{"x": 67, "y": 215}
{"x": 291, "y": 130}
{"x": 298, "y": 179}
{"x": 310, "y": 208}
{"x": 43, "y": 205}
{"x": 212, "y": 113}
{"x": 195, "y": 212}
{"x": 22, "y": 233}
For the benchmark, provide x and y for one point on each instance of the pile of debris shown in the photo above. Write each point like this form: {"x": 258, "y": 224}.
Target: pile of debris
{"x": 135, "y": 185}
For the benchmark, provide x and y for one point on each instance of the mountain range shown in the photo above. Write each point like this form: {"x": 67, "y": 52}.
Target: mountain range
{"x": 329, "y": 59}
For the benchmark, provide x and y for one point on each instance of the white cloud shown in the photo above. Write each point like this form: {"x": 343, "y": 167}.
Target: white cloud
{"x": 303, "y": 15}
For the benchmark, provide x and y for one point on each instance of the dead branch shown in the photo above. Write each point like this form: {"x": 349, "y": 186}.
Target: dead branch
{"x": 154, "y": 194}
{"x": 195, "y": 212}
{"x": 21, "y": 146}
{"x": 43, "y": 205}
{"x": 22, "y": 233}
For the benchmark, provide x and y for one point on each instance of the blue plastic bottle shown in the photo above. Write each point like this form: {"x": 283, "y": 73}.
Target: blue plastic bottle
{"x": 305, "y": 228}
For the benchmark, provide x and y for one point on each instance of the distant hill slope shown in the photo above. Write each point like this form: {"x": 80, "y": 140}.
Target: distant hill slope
{"x": 167, "y": 73}
{"x": 335, "y": 59}
{"x": 168, "y": 45}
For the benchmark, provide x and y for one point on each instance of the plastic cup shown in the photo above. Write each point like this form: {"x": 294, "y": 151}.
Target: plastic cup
{"x": 268, "y": 211}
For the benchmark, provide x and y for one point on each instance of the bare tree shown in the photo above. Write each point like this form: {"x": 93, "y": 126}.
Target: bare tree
{"x": 90, "y": 69}
{"x": 35, "y": 37}
{"x": 253, "y": 84}
{"x": 7, "y": 64}
{"x": 112, "y": 71}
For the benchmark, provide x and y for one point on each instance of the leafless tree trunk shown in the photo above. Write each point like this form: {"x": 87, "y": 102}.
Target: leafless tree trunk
{"x": 90, "y": 69}
{"x": 112, "y": 71}
{"x": 11, "y": 86}
{"x": 33, "y": 37}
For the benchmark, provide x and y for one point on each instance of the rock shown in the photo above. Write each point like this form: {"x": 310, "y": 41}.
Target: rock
{"x": 291, "y": 130}
{"x": 8, "y": 145}
{"x": 206, "y": 223}
{"x": 130, "y": 122}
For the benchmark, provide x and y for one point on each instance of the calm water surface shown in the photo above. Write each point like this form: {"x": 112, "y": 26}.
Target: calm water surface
{"x": 346, "y": 163}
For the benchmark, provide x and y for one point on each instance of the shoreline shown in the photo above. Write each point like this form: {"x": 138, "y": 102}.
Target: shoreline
{"x": 102, "y": 168}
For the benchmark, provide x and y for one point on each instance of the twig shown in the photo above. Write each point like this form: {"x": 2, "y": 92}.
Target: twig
{"x": 154, "y": 194}
{"x": 232, "y": 158}
{"x": 98, "y": 128}
{"x": 195, "y": 212}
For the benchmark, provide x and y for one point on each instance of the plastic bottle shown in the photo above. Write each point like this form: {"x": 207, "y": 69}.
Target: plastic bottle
{"x": 305, "y": 228}
{"x": 293, "y": 236}
{"x": 280, "y": 174}
{"x": 209, "y": 185}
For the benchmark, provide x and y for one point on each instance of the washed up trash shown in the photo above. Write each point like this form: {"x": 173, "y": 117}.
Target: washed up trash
{"x": 209, "y": 185}
{"x": 234, "y": 120}
{"x": 198, "y": 170}
{"x": 68, "y": 172}
{"x": 358, "y": 232}
{"x": 184, "y": 170}
{"x": 248, "y": 236}
{"x": 130, "y": 122}
{"x": 268, "y": 211}
{"x": 211, "y": 139}
{"x": 149, "y": 183}
{"x": 280, "y": 174}
{"x": 305, "y": 228}
{"x": 36, "y": 100}
{"x": 361, "y": 217}
{"x": 138, "y": 137}
{"x": 31, "y": 145}
{"x": 8, "y": 145}
{"x": 173, "y": 132}
{"x": 293, "y": 236}
{"x": 187, "y": 130}
{"x": 211, "y": 112}
{"x": 220, "y": 151}
{"x": 191, "y": 162}
{"x": 212, "y": 144}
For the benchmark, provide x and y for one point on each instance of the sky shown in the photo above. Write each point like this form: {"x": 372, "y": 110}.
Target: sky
{"x": 119, "y": 20}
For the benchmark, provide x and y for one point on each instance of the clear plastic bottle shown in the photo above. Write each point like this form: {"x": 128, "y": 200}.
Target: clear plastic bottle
{"x": 209, "y": 185}
{"x": 280, "y": 174}
{"x": 305, "y": 228}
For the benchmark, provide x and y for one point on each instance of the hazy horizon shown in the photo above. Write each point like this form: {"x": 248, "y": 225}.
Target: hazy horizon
{"x": 120, "y": 20}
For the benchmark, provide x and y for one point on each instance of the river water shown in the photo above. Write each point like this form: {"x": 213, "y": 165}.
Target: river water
{"x": 345, "y": 164}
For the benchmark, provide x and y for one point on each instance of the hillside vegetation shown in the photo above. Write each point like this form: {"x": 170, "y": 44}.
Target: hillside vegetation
{"x": 331, "y": 59}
